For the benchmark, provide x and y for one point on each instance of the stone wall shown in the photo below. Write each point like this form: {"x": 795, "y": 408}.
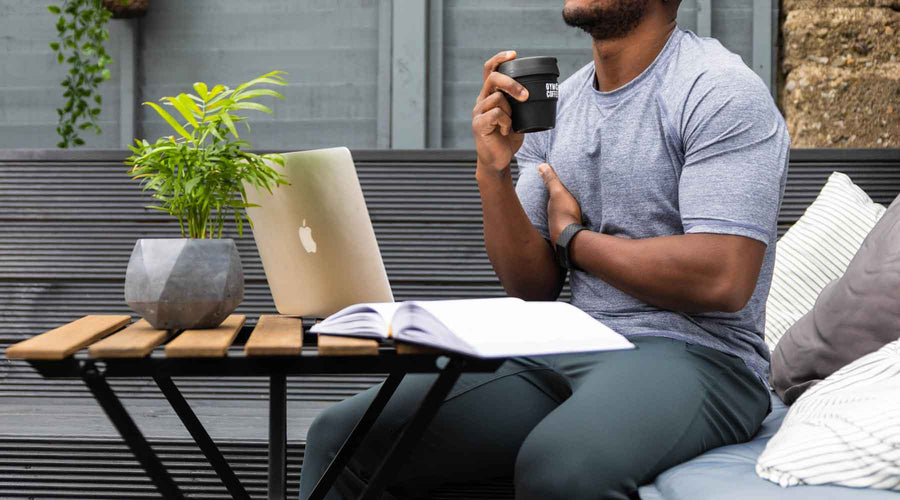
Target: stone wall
{"x": 841, "y": 69}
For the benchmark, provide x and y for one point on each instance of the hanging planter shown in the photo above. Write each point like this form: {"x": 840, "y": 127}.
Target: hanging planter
{"x": 81, "y": 26}
{"x": 122, "y": 9}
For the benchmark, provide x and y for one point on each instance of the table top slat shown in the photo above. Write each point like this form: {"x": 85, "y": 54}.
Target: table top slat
{"x": 209, "y": 342}
{"x": 331, "y": 345}
{"x": 135, "y": 341}
{"x": 404, "y": 348}
{"x": 65, "y": 340}
{"x": 275, "y": 335}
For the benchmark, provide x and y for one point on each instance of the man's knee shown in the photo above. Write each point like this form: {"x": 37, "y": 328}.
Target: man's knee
{"x": 550, "y": 469}
{"x": 331, "y": 427}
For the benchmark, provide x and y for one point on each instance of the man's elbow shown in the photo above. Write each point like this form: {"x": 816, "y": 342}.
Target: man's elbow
{"x": 532, "y": 291}
{"x": 730, "y": 295}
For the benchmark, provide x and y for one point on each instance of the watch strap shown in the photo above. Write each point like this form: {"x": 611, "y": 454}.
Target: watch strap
{"x": 563, "y": 247}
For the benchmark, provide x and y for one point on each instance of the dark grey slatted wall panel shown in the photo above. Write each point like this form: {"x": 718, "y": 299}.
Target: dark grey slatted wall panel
{"x": 877, "y": 172}
{"x": 104, "y": 469}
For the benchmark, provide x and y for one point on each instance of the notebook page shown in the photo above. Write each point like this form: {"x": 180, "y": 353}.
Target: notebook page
{"x": 367, "y": 320}
{"x": 512, "y": 327}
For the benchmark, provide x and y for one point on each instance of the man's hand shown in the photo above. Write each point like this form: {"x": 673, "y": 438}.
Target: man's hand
{"x": 562, "y": 209}
{"x": 495, "y": 142}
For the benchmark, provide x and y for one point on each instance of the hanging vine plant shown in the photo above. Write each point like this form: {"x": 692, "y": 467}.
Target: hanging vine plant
{"x": 81, "y": 27}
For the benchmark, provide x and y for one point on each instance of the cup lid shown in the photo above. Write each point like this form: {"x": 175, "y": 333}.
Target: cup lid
{"x": 525, "y": 66}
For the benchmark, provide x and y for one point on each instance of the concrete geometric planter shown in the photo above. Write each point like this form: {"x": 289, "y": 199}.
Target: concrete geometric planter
{"x": 184, "y": 283}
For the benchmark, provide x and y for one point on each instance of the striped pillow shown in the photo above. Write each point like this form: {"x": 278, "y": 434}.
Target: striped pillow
{"x": 816, "y": 250}
{"x": 844, "y": 431}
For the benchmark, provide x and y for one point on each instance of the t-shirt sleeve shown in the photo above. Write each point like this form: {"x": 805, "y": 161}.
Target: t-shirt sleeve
{"x": 530, "y": 188}
{"x": 735, "y": 145}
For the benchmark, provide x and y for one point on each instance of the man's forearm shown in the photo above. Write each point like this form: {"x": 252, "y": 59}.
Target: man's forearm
{"x": 521, "y": 257}
{"x": 689, "y": 273}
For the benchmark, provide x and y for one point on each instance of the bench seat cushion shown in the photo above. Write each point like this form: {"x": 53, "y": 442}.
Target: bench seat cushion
{"x": 729, "y": 472}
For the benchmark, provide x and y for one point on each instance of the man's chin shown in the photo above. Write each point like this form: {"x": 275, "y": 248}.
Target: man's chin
{"x": 607, "y": 22}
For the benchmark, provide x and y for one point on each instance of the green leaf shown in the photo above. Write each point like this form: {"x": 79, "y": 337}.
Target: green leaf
{"x": 59, "y": 57}
{"x": 189, "y": 103}
{"x": 171, "y": 121}
{"x": 201, "y": 89}
{"x": 183, "y": 110}
{"x": 256, "y": 81}
{"x": 252, "y": 105}
{"x": 53, "y": 9}
{"x": 219, "y": 102}
{"x": 226, "y": 119}
{"x": 272, "y": 77}
{"x": 256, "y": 93}
{"x": 191, "y": 184}
{"x": 216, "y": 91}
{"x": 54, "y": 45}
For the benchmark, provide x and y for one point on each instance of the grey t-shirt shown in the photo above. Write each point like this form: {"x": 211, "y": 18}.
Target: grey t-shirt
{"x": 694, "y": 144}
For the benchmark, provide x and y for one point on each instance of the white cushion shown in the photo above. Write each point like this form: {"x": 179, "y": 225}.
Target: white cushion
{"x": 844, "y": 431}
{"x": 816, "y": 250}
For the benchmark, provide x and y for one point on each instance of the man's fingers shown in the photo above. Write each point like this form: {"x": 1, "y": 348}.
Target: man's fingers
{"x": 498, "y": 81}
{"x": 550, "y": 179}
{"x": 485, "y": 123}
{"x": 501, "y": 57}
{"x": 495, "y": 100}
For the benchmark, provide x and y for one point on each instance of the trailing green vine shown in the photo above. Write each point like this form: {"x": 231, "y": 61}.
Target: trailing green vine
{"x": 81, "y": 27}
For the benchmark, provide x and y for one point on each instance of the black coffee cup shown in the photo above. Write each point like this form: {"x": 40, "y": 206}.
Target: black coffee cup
{"x": 539, "y": 75}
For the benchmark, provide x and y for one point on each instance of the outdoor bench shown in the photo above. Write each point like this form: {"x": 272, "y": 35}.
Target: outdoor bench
{"x": 69, "y": 222}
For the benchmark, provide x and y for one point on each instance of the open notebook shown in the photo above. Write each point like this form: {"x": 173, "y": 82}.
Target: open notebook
{"x": 487, "y": 328}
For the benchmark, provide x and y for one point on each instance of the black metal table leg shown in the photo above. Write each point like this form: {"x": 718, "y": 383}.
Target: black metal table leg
{"x": 450, "y": 371}
{"x": 356, "y": 435}
{"x": 277, "y": 437}
{"x": 130, "y": 433}
{"x": 201, "y": 437}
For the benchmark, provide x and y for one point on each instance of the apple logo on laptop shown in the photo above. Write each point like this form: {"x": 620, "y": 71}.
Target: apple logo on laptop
{"x": 306, "y": 239}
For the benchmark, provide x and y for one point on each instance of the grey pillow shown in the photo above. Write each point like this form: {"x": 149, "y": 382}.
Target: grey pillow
{"x": 854, "y": 315}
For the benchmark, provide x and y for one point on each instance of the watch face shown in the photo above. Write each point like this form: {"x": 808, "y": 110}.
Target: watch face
{"x": 562, "y": 256}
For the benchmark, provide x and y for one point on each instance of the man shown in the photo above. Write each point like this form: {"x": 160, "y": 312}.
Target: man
{"x": 672, "y": 155}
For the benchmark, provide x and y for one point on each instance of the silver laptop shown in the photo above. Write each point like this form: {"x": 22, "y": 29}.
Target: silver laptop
{"x": 315, "y": 238}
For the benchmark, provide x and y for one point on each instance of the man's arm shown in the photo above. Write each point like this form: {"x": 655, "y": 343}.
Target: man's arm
{"x": 688, "y": 272}
{"x": 523, "y": 260}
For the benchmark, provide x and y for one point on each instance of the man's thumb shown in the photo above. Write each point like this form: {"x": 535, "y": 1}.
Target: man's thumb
{"x": 548, "y": 175}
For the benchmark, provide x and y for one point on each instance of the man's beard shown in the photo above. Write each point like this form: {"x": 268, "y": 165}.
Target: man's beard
{"x": 607, "y": 23}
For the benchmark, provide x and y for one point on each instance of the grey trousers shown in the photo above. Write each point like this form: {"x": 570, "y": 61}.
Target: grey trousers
{"x": 574, "y": 426}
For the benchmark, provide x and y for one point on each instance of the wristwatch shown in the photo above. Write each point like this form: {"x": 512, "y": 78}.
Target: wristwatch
{"x": 562, "y": 245}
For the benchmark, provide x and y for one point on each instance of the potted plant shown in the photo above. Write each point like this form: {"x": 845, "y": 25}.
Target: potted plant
{"x": 81, "y": 27}
{"x": 198, "y": 176}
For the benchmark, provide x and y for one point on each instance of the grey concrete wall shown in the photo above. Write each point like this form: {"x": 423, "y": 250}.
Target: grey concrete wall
{"x": 338, "y": 53}
{"x": 328, "y": 47}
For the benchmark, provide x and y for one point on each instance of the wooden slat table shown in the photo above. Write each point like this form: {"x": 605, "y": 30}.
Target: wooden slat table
{"x": 98, "y": 347}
